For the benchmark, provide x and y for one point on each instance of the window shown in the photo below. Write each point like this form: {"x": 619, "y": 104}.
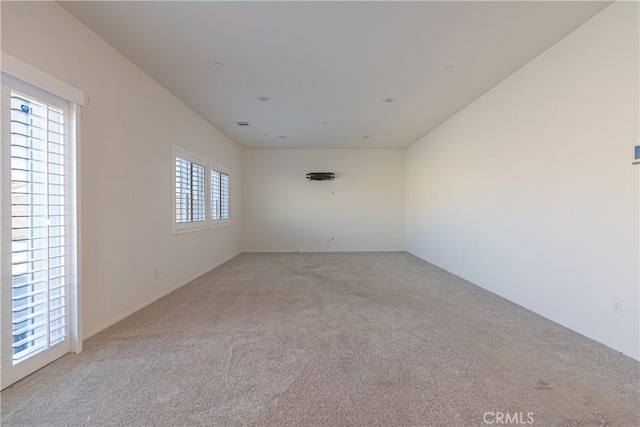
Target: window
{"x": 219, "y": 197}
{"x": 38, "y": 229}
{"x": 189, "y": 191}
{"x": 190, "y": 185}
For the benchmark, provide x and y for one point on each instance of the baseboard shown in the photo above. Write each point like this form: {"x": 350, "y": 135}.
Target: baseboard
{"x": 321, "y": 251}
{"x": 520, "y": 304}
{"x": 151, "y": 301}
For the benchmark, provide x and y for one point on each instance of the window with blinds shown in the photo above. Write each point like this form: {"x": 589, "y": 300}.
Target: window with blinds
{"x": 190, "y": 192}
{"x": 40, "y": 226}
{"x": 219, "y": 195}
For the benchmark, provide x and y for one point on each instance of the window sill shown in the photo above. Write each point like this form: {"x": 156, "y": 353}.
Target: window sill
{"x": 188, "y": 227}
{"x": 215, "y": 223}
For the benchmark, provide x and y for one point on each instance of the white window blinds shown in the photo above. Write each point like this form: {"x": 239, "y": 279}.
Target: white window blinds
{"x": 219, "y": 195}
{"x": 190, "y": 191}
{"x": 201, "y": 193}
{"x": 40, "y": 231}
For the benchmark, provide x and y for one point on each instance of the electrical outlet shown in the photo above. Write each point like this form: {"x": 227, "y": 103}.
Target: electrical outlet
{"x": 616, "y": 305}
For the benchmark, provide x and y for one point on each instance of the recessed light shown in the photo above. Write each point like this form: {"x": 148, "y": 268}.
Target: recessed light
{"x": 282, "y": 136}
{"x": 264, "y": 98}
{"x": 449, "y": 67}
{"x": 390, "y": 100}
{"x": 366, "y": 137}
{"x": 218, "y": 64}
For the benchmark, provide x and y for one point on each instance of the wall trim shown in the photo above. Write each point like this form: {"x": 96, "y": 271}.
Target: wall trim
{"x": 519, "y": 304}
{"x": 151, "y": 301}
{"x": 325, "y": 252}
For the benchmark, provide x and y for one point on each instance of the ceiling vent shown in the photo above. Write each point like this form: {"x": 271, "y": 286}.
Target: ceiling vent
{"x": 242, "y": 123}
{"x": 320, "y": 176}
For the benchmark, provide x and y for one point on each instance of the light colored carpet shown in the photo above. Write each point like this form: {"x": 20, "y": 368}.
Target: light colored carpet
{"x": 332, "y": 339}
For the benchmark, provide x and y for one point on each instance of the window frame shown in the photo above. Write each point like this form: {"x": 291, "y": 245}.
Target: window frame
{"x": 214, "y": 223}
{"x": 185, "y": 227}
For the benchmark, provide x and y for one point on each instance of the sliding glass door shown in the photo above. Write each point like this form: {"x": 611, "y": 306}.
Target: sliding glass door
{"x": 37, "y": 206}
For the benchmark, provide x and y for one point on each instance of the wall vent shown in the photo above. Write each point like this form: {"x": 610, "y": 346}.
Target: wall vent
{"x": 321, "y": 176}
{"x": 242, "y": 123}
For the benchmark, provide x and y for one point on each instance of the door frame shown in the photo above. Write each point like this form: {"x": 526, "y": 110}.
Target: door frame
{"x": 77, "y": 99}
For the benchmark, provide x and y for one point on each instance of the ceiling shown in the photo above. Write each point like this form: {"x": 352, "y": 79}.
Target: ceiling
{"x": 335, "y": 74}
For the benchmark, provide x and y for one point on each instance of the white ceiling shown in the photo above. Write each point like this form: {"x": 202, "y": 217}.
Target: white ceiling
{"x": 328, "y": 66}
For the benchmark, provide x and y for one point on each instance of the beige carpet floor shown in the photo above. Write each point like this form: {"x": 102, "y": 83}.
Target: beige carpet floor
{"x": 331, "y": 339}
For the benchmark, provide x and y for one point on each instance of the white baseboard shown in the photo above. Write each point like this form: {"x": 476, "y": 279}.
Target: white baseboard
{"x": 320, "y": 251}
{"x": 151, "y": 301}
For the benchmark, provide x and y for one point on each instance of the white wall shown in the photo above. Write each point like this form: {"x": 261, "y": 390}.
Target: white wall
{"x": 362, "y": 209}
{"x": 127, "y": 131}
{"x": 530, "y": 192}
